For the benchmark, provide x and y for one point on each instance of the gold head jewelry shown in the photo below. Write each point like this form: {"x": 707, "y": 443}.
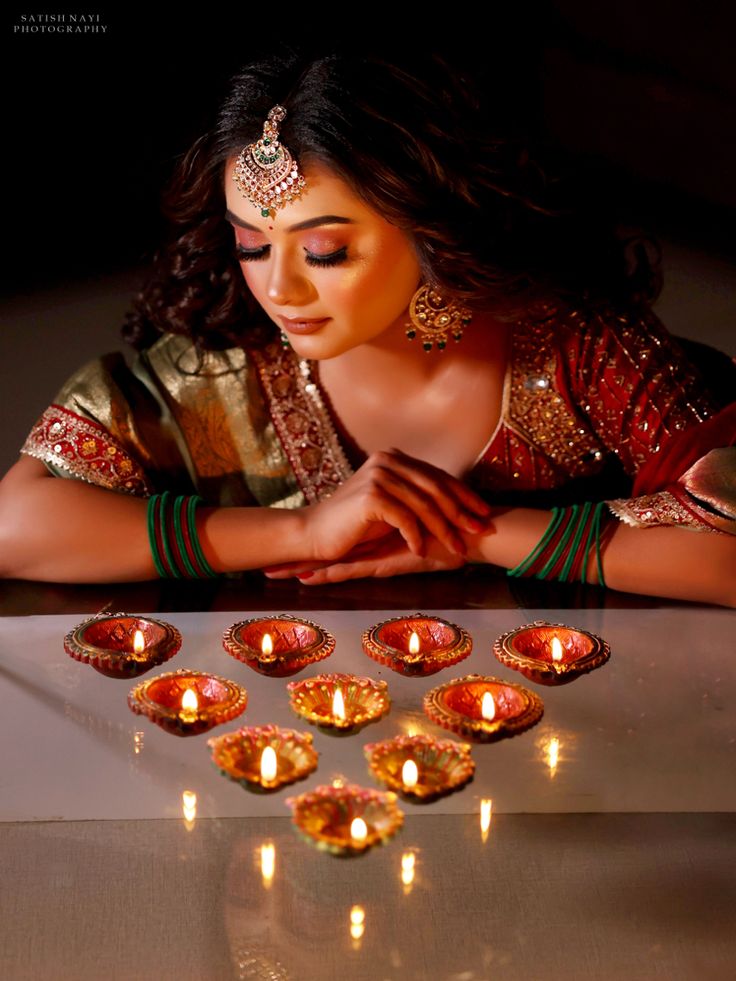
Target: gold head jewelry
{"x": 433, "y": 317}
{"x": 265, "y": 172}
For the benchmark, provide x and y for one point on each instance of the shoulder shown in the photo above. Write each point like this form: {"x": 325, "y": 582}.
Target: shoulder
{"x": 623, "y": 348}
{"x": 93, "y": 377}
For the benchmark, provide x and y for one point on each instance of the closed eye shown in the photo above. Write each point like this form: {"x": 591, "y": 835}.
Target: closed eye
{"x": 333, "y": 259}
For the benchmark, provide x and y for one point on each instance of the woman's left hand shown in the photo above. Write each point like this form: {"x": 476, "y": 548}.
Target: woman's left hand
{"x": 389, "y": 556}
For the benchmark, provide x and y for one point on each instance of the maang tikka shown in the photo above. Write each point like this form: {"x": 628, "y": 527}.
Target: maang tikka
{"x": 434, "y": 318}
{"x": 265, "y": 172}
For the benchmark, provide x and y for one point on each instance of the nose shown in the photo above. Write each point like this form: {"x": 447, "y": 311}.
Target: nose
{"x": 286, "y": 286}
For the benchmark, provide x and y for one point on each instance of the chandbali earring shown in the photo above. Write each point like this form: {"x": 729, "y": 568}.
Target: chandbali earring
{"x": 433, "y": 318}
{"x": 266, "y": 173}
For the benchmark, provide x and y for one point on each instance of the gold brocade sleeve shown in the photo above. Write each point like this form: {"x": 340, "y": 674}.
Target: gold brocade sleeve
{"x": 174, "y": 420}
{"x": 105, "y": 427}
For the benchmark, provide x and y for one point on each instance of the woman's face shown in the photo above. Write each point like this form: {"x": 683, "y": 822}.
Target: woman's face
{"x": 324, "y": 255}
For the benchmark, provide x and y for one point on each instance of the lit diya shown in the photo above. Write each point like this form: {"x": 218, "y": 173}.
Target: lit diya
{"x": 483, "y": 709}
{"x": 339, "y": 703}
{"x": 551, "y": 653}
{"x": 421, "y": 766}
{"x": 187, "y": 703}
{"x": 122, "y": 645}
{"x": 417, "y": 645}
{"x": 264, "y": 757}
{"x": 345, "y": 820}
{"x": 278, "y": 646}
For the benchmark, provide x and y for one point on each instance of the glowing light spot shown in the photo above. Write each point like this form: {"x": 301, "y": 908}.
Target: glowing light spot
{"x": 408, "y": 863}
{"x": 338, "y": 705}
{"x": 269, "y": 764}
{"x": 488, "y": 707}
{"x": 409, "y": 773}
{"x": 189, "y": 700}
{"x": 486, "y": 810}
{"x": 358, "y": 829}
{"x": 268, "y": 863}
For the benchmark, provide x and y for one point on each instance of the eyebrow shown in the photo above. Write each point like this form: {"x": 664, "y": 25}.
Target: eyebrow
{"x": 299, "y": 227}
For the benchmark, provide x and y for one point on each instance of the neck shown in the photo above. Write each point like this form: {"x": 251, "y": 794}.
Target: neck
{"x": 392, "y": 352}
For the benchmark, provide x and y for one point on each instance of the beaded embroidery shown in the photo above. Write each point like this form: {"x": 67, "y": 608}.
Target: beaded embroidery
{"x": 85, "y": 449}
{"x": 302, "y": 422}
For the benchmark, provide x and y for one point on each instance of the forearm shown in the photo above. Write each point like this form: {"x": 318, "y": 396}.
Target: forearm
{"x": 58, "y": 530}
{"x": 665, "y": 561}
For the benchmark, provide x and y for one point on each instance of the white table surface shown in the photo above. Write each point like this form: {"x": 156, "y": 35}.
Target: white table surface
{"x": 617, "y": 863}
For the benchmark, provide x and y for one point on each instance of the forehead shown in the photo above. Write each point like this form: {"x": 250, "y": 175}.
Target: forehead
{"x": 326, "y": 193}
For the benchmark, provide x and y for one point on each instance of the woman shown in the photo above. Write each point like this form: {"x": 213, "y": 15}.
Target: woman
{"x": 459, "y": 353}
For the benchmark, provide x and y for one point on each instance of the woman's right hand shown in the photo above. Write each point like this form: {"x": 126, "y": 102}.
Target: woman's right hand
{"x": 395, "y": 491}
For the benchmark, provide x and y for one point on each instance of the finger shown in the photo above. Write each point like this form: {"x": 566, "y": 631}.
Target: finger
{"x": 395, "y": 512}
{"x": 289, "y": 570}
{"x": 424, "y": 507}
{"x": 440, "y": 488}
{"x": 341, "y": 571}
{"x": 468, "y": 497}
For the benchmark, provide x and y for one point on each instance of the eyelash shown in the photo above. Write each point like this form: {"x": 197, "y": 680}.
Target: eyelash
{"x": 312, "y": 260}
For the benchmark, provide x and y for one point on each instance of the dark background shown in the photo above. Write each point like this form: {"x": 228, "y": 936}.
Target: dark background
{"x": 94, "y": 123}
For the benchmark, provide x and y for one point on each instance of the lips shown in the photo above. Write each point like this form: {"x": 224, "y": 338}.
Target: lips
{"x": 305, "y": 326}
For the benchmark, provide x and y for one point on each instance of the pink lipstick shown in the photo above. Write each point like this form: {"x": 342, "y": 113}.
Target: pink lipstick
{"x": 305, "y": 326}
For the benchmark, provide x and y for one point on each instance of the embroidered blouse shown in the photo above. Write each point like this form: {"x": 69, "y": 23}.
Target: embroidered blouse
{"x": 592, "y": 402}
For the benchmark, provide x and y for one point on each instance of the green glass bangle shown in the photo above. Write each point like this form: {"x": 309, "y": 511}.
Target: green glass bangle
{"x": 521, "y": 568}
{"x": 560, "y": 547}
{"x": 565, "y": 571}
{"x": 597, "y": 522}
{"x": 194, "y": 538}
{"x": 580, "y": 517}
{"x": 179, "y": 531}
{"x": 175, "y": 571}
{"x": 151, "y": 520}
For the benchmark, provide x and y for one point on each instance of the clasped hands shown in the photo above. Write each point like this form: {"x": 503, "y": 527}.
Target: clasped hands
{"x": 395, "y": 515}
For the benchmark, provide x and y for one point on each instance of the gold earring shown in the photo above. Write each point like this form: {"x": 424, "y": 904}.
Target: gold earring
{"x": 433, "y": 317}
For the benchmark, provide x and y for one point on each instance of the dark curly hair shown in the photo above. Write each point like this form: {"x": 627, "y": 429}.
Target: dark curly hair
{"x": 496, "y": 220}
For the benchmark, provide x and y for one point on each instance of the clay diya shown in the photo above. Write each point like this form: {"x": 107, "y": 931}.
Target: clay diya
{"x": 421, "y": 766}
{"x": 122, "y": 645}
{"x": 187, "y": 703}
{"x": 339, "y": 703}
{"x": 483, "y": 709}
{"x": 264, "y": 758}
{"x": 417, "y": 645}
{"x": 278, "y": 646}
{"x": 551, "y": 653}
{"x": 346, "y": 820}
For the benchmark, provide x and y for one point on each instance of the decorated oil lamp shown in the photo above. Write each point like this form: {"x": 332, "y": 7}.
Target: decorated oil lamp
{"x": 417, "y": 645}
{"x": 421, "y": 766}
{"x": 345, "y": 820}
{"x": 278, "y": 646}
{"x": 339, "y": 703}
{"x": 483, "y": 709}
{"x": 186, "y": 702}
{"x": 551, "y": 653}
{"x": 122, "y": 645}
{"x": 264, "y": 757}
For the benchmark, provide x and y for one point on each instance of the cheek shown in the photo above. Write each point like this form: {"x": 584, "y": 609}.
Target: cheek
{"x": 388, "y": 281}
{"x": 254, "y": 281}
